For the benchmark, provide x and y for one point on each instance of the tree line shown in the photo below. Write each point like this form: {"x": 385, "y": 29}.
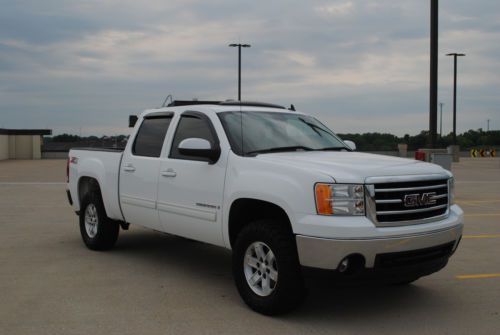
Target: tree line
{"x": 364, "y": 142}
{"x": 388, "y": 142}
{"x": 67, "y": 138}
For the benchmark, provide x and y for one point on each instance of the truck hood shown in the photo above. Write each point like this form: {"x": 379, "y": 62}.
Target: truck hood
{"x": 353, "y": 167}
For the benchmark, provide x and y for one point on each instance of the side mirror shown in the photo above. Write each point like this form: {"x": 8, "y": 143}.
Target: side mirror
{"x": 198, "y": 147}
{"x": 350, "y": 144}
{"x": 132, "y": 120}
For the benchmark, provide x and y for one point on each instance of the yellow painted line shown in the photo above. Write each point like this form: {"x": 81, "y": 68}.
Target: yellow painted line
{"x": 476, "y": 182}
{"x": 481, "y": 276}
{"x": 483, "y": 214}
{"x": 475, "y": 201}
{"x": 477, "y": 205}
{"x": 482, "y": 236}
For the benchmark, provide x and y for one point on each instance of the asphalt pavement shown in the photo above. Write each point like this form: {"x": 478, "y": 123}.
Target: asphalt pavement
{"x": 154, "y": 283}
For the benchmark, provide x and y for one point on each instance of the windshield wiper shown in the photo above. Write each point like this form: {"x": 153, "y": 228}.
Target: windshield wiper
{"x": 279, "y": 149}
{"x": 314, "y": 127}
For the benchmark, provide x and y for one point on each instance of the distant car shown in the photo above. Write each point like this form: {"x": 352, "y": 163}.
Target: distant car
{"x": 278, "y": 188}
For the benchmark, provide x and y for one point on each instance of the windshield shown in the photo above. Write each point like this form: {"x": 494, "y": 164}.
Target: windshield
{"x": 265, "y": 132}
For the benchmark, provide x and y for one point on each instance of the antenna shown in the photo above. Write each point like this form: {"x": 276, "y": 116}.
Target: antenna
{"x": 166, "y": 99}
{"x": 241, "y": 125}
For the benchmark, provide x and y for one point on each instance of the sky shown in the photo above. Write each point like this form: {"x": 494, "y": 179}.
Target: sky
{"x": 359, "y": 66}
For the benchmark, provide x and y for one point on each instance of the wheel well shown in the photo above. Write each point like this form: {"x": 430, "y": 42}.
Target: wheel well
{"x": 245, "y": 211}
{"x": 87, "y": 185}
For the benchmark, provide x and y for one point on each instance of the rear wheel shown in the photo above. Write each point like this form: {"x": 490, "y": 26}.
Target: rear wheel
{"x": 97, "y": 230}
{"x": 266, "y": 269}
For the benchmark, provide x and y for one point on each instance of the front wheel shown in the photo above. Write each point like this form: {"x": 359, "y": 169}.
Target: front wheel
{"x": 266, "y": 269}
{"x": 97, "y": 230}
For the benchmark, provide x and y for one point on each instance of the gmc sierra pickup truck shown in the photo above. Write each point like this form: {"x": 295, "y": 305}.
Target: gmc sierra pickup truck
{"x": 275, "y": 186}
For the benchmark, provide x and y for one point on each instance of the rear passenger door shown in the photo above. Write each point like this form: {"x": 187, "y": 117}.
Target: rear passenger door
{"x": 190, "y": 189}
{"x": 140, "y": 169}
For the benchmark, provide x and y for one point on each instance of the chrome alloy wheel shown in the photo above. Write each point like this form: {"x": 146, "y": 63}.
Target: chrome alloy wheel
{"x": 91, "y": 220}
{"x": 261, "y": 271}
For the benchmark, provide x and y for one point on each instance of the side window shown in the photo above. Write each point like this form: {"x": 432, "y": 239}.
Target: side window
{"x": 191, "y": 126}
{"x": 149, "y": 139}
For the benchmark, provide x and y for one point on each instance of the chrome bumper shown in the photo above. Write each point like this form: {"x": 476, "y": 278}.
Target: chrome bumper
{"x": 327, "y": 253}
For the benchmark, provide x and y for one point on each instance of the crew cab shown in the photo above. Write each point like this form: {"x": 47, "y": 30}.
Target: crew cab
{"x": 275, "y": 186}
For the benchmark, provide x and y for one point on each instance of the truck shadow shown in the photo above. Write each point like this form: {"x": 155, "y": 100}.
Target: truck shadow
{"x": 326, "y": 301}
{"x": 175, "y": 253}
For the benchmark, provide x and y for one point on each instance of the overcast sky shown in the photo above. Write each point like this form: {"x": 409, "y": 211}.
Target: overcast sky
{"x": 360, "y": 66}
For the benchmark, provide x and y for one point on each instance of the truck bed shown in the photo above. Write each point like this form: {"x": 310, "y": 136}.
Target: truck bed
{"x": 102, "y": 164}
{"x": 108, "y": 149}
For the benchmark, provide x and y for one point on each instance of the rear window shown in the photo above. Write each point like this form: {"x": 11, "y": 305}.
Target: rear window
{"x": 149, "y": 139}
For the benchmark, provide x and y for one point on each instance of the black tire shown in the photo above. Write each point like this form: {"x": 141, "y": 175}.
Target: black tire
{"x": 288, "y": 291}
{"x": 106, "y": 231}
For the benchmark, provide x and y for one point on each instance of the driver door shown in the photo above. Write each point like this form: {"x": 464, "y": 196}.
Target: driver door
{"x": 190, "y": 190}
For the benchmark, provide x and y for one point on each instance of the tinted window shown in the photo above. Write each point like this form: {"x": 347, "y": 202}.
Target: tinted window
{"x": 149, "y": 140}
{"x": 191, "y": 126}
{"x": 260, "y": 131}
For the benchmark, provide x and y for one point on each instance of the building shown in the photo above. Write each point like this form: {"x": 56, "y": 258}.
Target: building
{"x": 22, "y": 143}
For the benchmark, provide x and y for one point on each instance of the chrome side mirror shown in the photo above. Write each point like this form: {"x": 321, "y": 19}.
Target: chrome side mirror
{"x": 200, "y": 148}
{"x": 351, "y": 145}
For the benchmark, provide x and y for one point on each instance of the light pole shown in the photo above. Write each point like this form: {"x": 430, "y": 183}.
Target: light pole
{"x": 441, "y": 120}
{"x": 488, "y": 127}
{"x": 433, "y": 87}
{"x": 455, "y": 55}
{"x": 239, "y": 45}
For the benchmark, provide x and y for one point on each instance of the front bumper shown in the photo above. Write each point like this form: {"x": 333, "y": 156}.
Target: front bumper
{"x": 327, "y": 254}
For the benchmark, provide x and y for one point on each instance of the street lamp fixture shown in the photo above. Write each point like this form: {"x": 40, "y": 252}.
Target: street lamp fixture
{"x": 455, "y": 55}
{"x": 239, "y": 46}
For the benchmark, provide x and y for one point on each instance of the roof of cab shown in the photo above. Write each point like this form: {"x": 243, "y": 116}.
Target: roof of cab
{"x": 176, "y": 103}
{"x": 216, "y": 107}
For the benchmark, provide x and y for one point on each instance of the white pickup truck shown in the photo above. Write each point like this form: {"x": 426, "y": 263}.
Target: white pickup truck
{"x": 278, "y": 188}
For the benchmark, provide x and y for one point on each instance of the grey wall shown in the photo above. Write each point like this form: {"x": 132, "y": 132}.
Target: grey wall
{"x": 4, "y": 147}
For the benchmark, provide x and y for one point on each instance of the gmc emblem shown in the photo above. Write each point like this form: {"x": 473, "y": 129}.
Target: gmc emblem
{"x": 416, "y": 200}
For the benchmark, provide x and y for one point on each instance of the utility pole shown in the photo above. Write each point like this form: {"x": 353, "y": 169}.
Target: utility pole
{"x": 455, "y": 55}
{"x": 441, "y": 120}
{"x": 433, "y": 87}
{"x": 488, "y": 127}
{"x": 239, "y": 45}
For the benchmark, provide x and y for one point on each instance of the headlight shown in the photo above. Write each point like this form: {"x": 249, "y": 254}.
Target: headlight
{"x": 340, "y": 199}
{"x": 451, "y": 191}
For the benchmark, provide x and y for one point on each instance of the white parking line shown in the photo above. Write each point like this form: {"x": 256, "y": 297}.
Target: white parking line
{"x": 30, "y": 183}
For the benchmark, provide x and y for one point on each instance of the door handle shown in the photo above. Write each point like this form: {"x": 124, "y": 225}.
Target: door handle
{"x": 169, "y": 173}
{"x": 128, "y": 168}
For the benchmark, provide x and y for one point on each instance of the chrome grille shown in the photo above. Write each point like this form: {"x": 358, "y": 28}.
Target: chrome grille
{"x": 397, "y": 202}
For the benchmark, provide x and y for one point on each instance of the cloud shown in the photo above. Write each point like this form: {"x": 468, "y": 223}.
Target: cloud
{"x": 335, "y": 8}
{"x": 91, "y": 63}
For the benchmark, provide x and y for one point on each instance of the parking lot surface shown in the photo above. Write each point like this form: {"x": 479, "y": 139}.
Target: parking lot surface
{"x": 153, "y": 283}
